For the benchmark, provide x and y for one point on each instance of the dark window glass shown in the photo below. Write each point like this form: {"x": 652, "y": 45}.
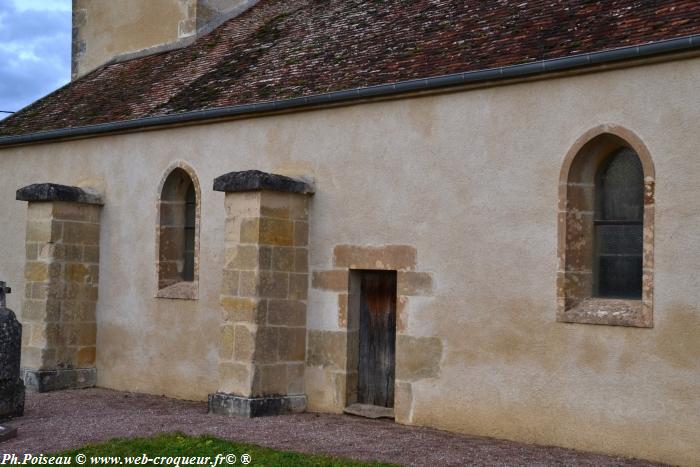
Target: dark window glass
{"x": 190, "y": 219}
{"x": 619, "y": 219}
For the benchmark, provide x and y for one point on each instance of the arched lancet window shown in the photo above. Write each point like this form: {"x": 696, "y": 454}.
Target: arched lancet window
{"x": 619, "y": 220}
{"x": 606, "y": 231}
{"x": 178, "y": 211}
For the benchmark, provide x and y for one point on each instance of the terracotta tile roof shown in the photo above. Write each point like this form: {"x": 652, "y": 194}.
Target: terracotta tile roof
{"x": 281, "y": 49}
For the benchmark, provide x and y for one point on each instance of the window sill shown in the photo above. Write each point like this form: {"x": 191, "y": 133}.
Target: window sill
{"x": 610, "y": 312}
{"x": 180, "y": 291}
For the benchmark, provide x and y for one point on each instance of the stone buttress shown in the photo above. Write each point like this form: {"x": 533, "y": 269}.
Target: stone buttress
{"x": 61, "y": 272}
{"x": 262, "y": 346}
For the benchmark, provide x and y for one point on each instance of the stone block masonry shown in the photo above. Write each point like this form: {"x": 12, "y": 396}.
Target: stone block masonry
{"x": 262, "y": 344}
{"x": 60, "y": 296}
{"x": 332, "y": 355}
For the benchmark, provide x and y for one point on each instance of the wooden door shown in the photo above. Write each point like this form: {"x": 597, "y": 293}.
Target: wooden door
{"x": 377, "y": 338}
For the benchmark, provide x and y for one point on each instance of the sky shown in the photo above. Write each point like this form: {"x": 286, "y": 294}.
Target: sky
{"x": 35, "y": 47}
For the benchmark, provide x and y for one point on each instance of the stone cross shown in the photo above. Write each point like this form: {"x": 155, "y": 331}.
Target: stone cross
{"x": 11, "y": 385}
{"x": 3, "y": 292}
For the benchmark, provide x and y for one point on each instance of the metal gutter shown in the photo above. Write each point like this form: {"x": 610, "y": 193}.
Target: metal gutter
{"x": 385, "y": 90}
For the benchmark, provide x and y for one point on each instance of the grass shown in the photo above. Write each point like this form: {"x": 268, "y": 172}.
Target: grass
{"x": 172, "y": 445}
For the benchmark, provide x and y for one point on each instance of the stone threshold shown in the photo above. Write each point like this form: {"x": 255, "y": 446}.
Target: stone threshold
{"x": 369, "y": 411}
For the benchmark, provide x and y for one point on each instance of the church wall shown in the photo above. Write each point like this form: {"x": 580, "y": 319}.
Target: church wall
{"x": 105, "y": 29}
{"x": 469, "y": 182}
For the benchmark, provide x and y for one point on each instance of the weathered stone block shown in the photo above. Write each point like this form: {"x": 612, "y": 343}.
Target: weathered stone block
{"x": 78, "y": 311}
{"x": 301, "y": 260}
{"x": 292, "y": 344}
{"x": 248, "y": 284}
{"x": 91, "y": 254}
{"x": 301, "y": 233}
{"x": 74, "y": 253}
{"x": 79, "y": 272}
{"x": 414, "y": 283}
{"x": 32, "y": 251}
{"x": 336, "y": 280}
{"x": 242, "y": 257}
{"x": 81, "y": 233}
{"x": 54, "y": 380}
{"x": 417, "y": 357}
{"x": 278, "y": 232}
{"x": 86, "y": 357}
{"x": 41, "y": 310}
{"x": 36, "y": 271}
{"x": 403, "y": 402}
{"x": 226, "y": 342}
{"x": 46, "y": 335}
{"x": 44, "y": 230}
{"x": 270, "y": 379}
{"x": 343, "y": 310}
{"x": 282, "y": 259}
{"x": 283, "y": 206}
{"x": 295, "y": 378}
{"x": 298, "y": 286}
{"x": 273, "y": 284}
{"x": 327, "y": 349}
{"x": 318, "y": 380}
{"x": 286, "y": 313}
{"x": 228, "y": 404}
{"x": 250, "y": 230}
{"x": 49, "y": 251}
{"x": 76, "y": 212}
{"x": 242, "y": 205}
{"x": 267, "y": 345}
{"x": 265, "y": 257}
{"x": 244, "y": 346}
{"x": 235, "y": 378}
{"x": 229, "y": 284}
{"x": 31, "y": 356}
{"x": 244, "y": 309}
{"x": 398, "y": 257}
{"x": 37, "y": 211}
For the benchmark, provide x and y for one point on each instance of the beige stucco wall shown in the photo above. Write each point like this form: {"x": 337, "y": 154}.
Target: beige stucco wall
{"x": 108, "y": 28}
{"x": 471, "y": 180}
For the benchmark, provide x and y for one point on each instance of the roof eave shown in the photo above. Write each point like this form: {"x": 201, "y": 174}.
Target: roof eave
{"x": 573, "y": 62}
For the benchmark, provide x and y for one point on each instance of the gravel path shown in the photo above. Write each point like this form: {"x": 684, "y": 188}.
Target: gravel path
{"x": 69, "y": 419}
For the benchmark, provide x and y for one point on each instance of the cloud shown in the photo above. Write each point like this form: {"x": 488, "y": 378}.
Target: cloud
{"x": 35, "y": 43}
{"x": 43, "y": 5}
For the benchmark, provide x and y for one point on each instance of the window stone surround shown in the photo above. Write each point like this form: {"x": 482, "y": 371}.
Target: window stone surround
{"x": 575, "y": 300}
{"x": 184, "y": 290}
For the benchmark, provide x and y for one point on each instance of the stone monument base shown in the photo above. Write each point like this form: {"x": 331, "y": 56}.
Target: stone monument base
{"x": 12, "y": 400}
{"x": 229, "y": 404}
{"x": 55, "y": 380}
{"x": 7, "y": 432}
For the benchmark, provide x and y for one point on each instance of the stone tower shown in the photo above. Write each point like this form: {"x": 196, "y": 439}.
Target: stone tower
{"x": 106, "y": 30}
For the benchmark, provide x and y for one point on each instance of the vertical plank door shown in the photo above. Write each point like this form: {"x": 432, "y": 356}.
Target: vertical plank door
{"x": 377, "y": 338}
